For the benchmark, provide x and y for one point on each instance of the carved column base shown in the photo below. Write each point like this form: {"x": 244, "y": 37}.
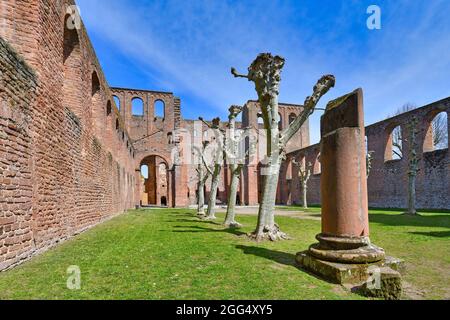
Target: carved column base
{"x": 346, "y": 250}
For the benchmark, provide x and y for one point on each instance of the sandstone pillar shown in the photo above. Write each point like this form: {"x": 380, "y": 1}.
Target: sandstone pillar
{"x": 344, "y": 252}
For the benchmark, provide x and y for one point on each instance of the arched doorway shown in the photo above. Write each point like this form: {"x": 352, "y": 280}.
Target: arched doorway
{"x": 154, "y": 172}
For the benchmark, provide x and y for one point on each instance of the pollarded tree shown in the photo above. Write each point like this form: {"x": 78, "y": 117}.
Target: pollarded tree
{"x": 236, "y": 159}
{"x": 304, "y": 175}
{"x": 413, "y": 168}
{"x": 218, "y": 158}
{"x": 265, "y": 72}
{"x": 202, "y": 176}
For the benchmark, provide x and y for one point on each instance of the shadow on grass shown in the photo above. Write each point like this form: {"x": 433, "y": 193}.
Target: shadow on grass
{"x": 196, "y": 220}
{"x": 197, "y": 229}
{"x": 284, "y": 258}
{"x": 436, "y": 234}
{"x": 442, "y": 221}
{"x": 178, "y": 214}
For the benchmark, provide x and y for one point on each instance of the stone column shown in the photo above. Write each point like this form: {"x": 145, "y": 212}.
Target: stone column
{"x": 344, "y": 253}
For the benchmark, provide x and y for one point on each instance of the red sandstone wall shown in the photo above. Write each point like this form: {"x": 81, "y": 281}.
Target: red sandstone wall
{"x": 387, "y": 184}
{"x": 64, "y": 163}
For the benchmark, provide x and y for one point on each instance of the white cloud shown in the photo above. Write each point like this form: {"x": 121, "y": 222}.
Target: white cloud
{"x": 190, "y": 46}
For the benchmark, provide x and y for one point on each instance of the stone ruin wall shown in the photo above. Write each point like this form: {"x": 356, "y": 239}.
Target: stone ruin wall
{"x": 66, "y": 160}
{"x": 388, "y": 180}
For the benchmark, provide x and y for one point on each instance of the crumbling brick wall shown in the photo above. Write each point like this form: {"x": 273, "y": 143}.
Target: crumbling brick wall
{"x": 66, "y": 160}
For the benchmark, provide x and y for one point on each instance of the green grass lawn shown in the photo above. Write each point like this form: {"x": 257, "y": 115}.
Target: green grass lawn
{"x": 170, "y": 254}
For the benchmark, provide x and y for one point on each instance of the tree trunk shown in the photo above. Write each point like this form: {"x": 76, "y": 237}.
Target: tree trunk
{"x": 266, "y": 227}
{"x": 231, "y": 213}
{"x": 412, "y": 195}
{"x": 305, "y": 193}
{"x": 211, "y": 213}
{"x": 413, "y": 166}
{"x": 201, "y": 198}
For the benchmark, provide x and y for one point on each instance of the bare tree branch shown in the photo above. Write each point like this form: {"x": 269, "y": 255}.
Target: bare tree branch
{"x": 237, "y": 75}
{"x": 320, "y": 89}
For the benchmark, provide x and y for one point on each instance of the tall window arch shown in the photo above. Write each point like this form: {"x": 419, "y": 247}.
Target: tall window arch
{"x": 317, "y": 168}
{"x": 97, "y": 105}
{"x": 160, "y": 107}
{"x": 397, "y": 143}
{"x": 144, "y": 171}
{"x": 117, "y": 101}
{"x": 292, "y": 117}
{"x": 72, "y": 94}
{"x": 394, "y": 143}
{"x": 280, "y": 122}
{"x": 260, "y": 120}
{"x": 437, "y": 133}
{"x": 108, "y": 108}
{"x": 95, "y": 83}
{"x": 137, "y": 107}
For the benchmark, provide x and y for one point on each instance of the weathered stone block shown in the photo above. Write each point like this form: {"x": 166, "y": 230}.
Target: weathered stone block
{"x": 341, "y": 273}
{"x": 388, "y": 286}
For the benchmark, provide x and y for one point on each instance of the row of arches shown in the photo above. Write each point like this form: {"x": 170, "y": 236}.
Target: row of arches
{"x": 281, "y": 126}
{"x": 138, "y": 110}
{"x": 435, "y": 136}
{"x": 99, "y": 117}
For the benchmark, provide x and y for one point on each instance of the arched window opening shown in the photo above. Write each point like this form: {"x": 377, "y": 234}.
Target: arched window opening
{"x": 317, "y": 169}
{"x": 292, "y": 117}
{"x": 397, "y": 144}
{"x": 144, "y": 171}
{"x": 117, "y": 102}
{"x": 97, "y": 105}
{"x": 289, "y": 169}
{"x": 95, "y": 83}
{"x": 72, "y": 94}
{"x": 159, "y": 109}
{"x": 71, "y": 41}
{"x": 137, "y": 107}
{"x": 437, "y": 133}
{"x": 280, "y": 122}
{"x": 108, "y": 108}
{"x": 260, "y": 120}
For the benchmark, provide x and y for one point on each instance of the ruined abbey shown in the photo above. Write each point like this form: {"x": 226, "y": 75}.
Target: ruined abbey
{"x": 72, "y": 149}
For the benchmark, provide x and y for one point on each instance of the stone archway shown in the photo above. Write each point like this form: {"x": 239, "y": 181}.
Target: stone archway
{"x": 156, "y": 181}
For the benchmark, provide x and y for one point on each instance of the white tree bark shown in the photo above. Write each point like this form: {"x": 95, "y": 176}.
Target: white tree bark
{"x": 265, "y": 72}
{"x": 230, "y": 218}
{"x": 304, "y": 175}
{"x": 235, "y": 168}
{"x": 202, "y": 177}
{"x": 218, "y": 163}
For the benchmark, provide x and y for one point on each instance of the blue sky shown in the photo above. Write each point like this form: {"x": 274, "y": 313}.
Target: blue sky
{"x": 188, "y": 47}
